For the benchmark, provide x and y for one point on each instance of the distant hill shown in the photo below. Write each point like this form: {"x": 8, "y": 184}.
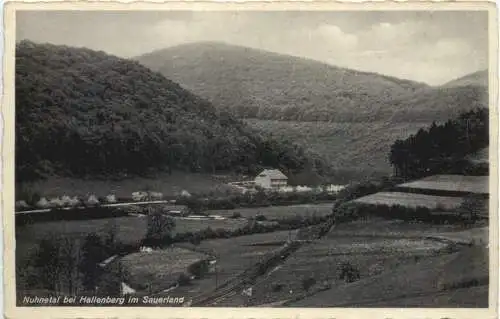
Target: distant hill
{"x": 439, "y": 103}
{"x": 479, "y": 78}
{"x": 85, "y": 113}
{"x": 258, "y": 84}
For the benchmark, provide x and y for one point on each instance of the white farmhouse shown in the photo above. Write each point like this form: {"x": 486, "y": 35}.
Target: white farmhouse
{"x": 271, "y": 178}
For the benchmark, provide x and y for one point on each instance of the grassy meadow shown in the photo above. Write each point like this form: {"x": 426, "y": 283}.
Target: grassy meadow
{"x": 411, "y": 200}
{"x": 277, "y": 212}
{"x": 416, "y": 284}
{"x": 160, "y": 268}
{"x": 452, "y": 183}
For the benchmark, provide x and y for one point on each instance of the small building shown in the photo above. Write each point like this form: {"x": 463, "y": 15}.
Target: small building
{"x": 271, "y": 178}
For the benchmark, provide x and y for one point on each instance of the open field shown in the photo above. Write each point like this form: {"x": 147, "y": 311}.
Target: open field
{"x": 356, "y": 150}
{"x": 192, "y": 225}
{"x": 169, "y": 185}
{"x": 372, "y": 245}
{"x": 278, "y": 212}
{"x": 411, "y": 200}
{"x": 321, "y": 260}
{"x": 160, "y": 268}
{"x": 234, "y": 255}
{"x": 413, "y": 283}
{"x": 377, "y": 226}
{"x": 451, "y": 183}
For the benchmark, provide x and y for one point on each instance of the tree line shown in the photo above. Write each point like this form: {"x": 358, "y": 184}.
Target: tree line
{"x": 441, "y": 148}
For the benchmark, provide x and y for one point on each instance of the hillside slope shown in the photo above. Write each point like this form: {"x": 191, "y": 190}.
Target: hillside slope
{"x": 81, "y": 112}
{"x": 264, "y": 85}
{"x": 267, "y": 85}
{"x": 479, "y": 78}
{"x": 437, "y": 281}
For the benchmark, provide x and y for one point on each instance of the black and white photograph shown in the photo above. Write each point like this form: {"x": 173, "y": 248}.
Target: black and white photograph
{"x": 253, "y": 158}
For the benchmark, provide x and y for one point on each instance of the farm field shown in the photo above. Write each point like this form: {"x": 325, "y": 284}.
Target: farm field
{"x": 443, "y": 274}
{"x": 411, "y": 200}
{"x": 278, "y": 212}
{"x": 356, "y": 150}
{"x": 191, "y": 225}
{"x": 158, "y": 270}
{"x": 320, "y": 261}
{"x": 234, "y": 255}
{"x": 169, "y": 185}
{"x": 452, "y": 183}
{"x": 377, "y": 226}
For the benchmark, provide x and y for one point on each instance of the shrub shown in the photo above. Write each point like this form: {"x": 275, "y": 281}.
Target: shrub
{"x": 199, "y": 269}
{"x": 195, "y": 240}
{"x": 348, "y": 272}
{"x": 184, "y": 280}
{"x": 27, "y": 194}
{"x": 111, "y": 199}
{"x": 277, "y": 287}
{"x": 472, "y": 207}
{"x": 236, "y": 215}
{"x": 21, "y": 204}
{"x": 92, "y": 200}
{"x": 307, "y": 283}
{"x": 159, "y": 227}
{"x": 260, "y": 217}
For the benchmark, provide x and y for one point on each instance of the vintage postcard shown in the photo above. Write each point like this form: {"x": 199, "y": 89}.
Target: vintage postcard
{"x": 251, "y": 159}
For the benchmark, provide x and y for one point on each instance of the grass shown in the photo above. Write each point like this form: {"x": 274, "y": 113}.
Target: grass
{"x": 234, "y": 255}
{"x": 411, "y": 200}
{"x": 355, "y": 150}
{"x": 452, "y": 183}
{"x": 377, "y": 226}
{"x": 160, "y": 268}
{"x": 373, "y": 246}
{"x": 421, "y": 280}
{"x": 320, "y": 260}
{"x": 169, "y": 185}
{"x": 189, "y": 225}
{"x": 278, "y": 212}
{"x": 129, "y": 230}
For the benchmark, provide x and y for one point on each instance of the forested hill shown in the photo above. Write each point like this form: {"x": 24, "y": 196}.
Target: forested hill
{"x": 259, "y": 84}
{"x": 81, "y": 112}
{"x": 479, "y": 78}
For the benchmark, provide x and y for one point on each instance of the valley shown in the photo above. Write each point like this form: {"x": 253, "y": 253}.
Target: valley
{"x": 240, "y": 177}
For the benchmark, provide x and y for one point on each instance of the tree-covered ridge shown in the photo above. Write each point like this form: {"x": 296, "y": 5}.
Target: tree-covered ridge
{"x": 81, "y": 112}
{"x": 442, "y": 148}
{"x": 264, "y": 85}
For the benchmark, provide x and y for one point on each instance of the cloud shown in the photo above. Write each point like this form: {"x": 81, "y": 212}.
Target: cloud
{"x": 335, "y": 36}
{"x": 423, "y": 46}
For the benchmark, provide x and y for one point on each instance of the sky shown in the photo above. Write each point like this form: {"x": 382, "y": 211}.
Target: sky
{"x": 431, "y": 47}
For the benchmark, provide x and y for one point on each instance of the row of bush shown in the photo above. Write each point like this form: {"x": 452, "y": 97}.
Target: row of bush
{"x": 258, "y": 199}
{"x": 197, "y": 204}
{"x": 30, "y": 200}
{"x": 352, "y": 211}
